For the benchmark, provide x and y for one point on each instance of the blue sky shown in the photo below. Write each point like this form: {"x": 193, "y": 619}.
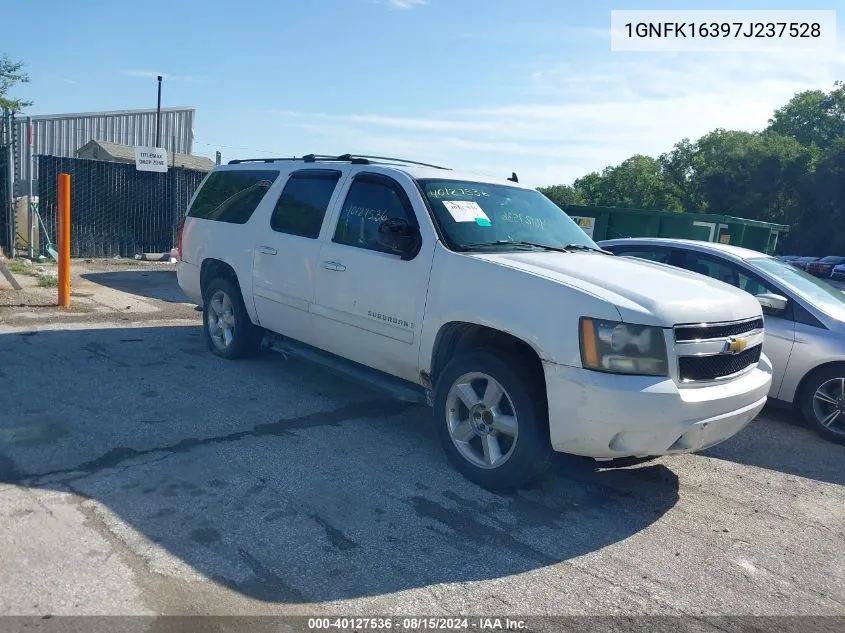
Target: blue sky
{"x": 487, "y": 85}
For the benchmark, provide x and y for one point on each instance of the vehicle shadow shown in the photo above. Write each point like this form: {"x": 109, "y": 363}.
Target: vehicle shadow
{"x": 153, "y": 284}
{"x": 779, "y": 440}
{"x": 279, "y": 480}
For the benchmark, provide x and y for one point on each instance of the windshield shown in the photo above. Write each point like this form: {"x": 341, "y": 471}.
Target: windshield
{"x": 472, "y": 213}
{"x": 831, "y": 259}
{"x": 821, "y": 294}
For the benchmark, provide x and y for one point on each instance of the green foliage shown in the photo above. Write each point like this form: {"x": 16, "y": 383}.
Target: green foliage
{"x": 11, "y": 74}
{"x": 563, "y": 195}
{"x": 813, "y": 117}
{"x": 793, "y": 172}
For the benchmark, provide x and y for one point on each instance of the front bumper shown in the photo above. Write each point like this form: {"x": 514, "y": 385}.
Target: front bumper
{"x": 608, "y": 416}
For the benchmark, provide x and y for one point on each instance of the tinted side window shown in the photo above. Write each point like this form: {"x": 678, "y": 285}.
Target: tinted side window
{"x": 654, "y": 255}
{"x": 232, "y": 196}
{"x": 302, "y": 206}
{"x": 370, "y": 201}
{"x": 710, "y": 267}
{"x": 736, "y": 276}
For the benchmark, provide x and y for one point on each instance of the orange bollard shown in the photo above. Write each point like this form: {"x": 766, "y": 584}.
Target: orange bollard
{"x": 63, "y": 239}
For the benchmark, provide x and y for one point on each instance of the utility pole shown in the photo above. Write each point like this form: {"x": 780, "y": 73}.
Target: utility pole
{"x": 158, "y": 115}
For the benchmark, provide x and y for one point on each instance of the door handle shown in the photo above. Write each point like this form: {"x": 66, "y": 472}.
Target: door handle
{"x": 336, "y": 266}
{"x": 267, "y": 250}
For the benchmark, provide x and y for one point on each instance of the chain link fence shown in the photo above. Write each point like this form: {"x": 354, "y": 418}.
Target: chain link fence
{"x": 116, "y": 210}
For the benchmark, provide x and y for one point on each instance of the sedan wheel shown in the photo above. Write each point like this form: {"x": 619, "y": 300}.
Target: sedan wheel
{"x": 823, "y": 403}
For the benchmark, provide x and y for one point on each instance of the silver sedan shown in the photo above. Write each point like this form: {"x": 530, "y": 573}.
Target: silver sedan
{"x": 804, "y": 321}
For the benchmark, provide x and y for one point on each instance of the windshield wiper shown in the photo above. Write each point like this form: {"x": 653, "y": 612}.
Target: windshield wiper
{"x": 584, "y": 247}
{"x": 516, "y": 243}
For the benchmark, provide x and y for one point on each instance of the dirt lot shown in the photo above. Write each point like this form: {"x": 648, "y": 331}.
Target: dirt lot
{"x": 139, "y": 474}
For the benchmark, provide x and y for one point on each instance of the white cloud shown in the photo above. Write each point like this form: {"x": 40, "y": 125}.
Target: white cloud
{"x": 576, "y": 117}
{"x": 405, "y": 4}
{"x": 151, "y": 74}
{"x": 66, "y": 80}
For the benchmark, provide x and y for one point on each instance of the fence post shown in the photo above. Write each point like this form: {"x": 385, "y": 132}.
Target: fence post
{"x": 63, "y": 221}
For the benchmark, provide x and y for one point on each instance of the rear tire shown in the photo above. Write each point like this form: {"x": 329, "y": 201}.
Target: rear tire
{"x": 227, "y": 328}
{"x": 491, "y": 420}
{"x": 823, "y": 396}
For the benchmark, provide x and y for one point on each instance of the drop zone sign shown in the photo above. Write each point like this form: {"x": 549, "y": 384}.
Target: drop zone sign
{"x": 150, "y": 159}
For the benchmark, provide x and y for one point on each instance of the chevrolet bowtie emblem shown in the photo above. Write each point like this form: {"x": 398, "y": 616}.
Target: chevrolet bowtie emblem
{"x": 735, "y": 345}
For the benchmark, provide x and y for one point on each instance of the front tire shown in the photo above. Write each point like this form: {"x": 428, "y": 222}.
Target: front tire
{"x": 491, "y": 420}
{"x": 227, "y": 328}
{"x": 823, "y": 403}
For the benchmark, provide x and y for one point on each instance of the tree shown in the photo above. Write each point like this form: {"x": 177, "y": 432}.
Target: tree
{"x": 563, "y": 195}
{"x": 12, "y": 74}
{"x": 637, "y": 182}
{"x": 793, "y": 173}
{"x": 812, "y": 117}
{"x": 745, "y": 174}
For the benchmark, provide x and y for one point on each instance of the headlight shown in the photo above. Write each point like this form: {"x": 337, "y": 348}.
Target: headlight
{"x": 623, "y": 348}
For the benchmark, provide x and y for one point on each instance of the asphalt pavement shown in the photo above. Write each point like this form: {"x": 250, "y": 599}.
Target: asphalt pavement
{"x": 139, "y": 474}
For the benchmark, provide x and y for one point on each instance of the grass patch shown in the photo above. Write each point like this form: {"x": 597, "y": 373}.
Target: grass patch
{"x": 20, "y": 266}
{"x": 48, "y": 281}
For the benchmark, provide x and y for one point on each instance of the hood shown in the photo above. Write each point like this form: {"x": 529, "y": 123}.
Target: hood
{"x": 644, "y": 292}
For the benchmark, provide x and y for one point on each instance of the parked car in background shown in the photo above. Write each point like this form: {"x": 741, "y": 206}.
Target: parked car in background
{"x": 824, "y": 266}
{"x": 838, "y": 273}
{"x": 801, "y": 262}
{"x": 787, "y": 258}
{"x": 804, "y": 320}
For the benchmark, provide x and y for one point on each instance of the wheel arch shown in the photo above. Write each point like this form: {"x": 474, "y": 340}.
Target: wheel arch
{"x": 805, "y": 380}
{"x": 212, "y": 269}
{"x": 457, "y": 336}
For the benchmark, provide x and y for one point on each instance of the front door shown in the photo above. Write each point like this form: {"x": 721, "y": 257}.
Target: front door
{"x": 369, "y": 303}
{"x": 286, "y": 252}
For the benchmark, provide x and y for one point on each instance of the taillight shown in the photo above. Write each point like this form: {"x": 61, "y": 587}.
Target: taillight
{"x": 179, "y": 238}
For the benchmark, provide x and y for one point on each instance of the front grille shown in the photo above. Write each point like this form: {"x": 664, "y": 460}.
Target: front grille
{"x": 685, "y": 333}
{"x": 716, "y": 366}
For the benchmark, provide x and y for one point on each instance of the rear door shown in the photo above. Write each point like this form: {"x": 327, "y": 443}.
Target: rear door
{"x": 369, "y": 303}
{"x": 285, "y": 253}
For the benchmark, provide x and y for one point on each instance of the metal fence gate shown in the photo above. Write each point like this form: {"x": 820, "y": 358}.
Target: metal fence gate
{"x": 116, "y": 210}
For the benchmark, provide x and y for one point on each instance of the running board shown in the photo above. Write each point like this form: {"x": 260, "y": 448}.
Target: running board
{"x": 395, "y": 388}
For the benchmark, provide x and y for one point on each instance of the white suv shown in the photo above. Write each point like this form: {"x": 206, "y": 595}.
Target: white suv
{"x": 479, "y": 296}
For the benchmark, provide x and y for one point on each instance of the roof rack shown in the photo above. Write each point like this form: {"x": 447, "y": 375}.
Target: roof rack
{"x": 355, "y": 159}
{"x": 397, "y": 160}
{"x": 238, "y": 161}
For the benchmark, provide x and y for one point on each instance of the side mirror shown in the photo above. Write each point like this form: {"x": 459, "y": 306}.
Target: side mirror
{"x": 773, "y": 302}
{"x": 399, "y": 237}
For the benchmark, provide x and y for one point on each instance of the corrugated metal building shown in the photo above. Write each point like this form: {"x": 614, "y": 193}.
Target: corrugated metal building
{"x": 64, "y": 134}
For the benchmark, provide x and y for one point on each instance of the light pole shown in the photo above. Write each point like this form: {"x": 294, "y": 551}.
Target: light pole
{"x": 158, "y": 115}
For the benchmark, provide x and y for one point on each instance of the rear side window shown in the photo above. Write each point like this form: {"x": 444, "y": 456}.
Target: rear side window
{"x": 232, "y": 196}
{"x": 302, "y": 206}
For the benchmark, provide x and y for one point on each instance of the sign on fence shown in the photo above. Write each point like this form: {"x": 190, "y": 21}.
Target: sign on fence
{"x": 150, "y": 159}
{"x": 587, "y": 224}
